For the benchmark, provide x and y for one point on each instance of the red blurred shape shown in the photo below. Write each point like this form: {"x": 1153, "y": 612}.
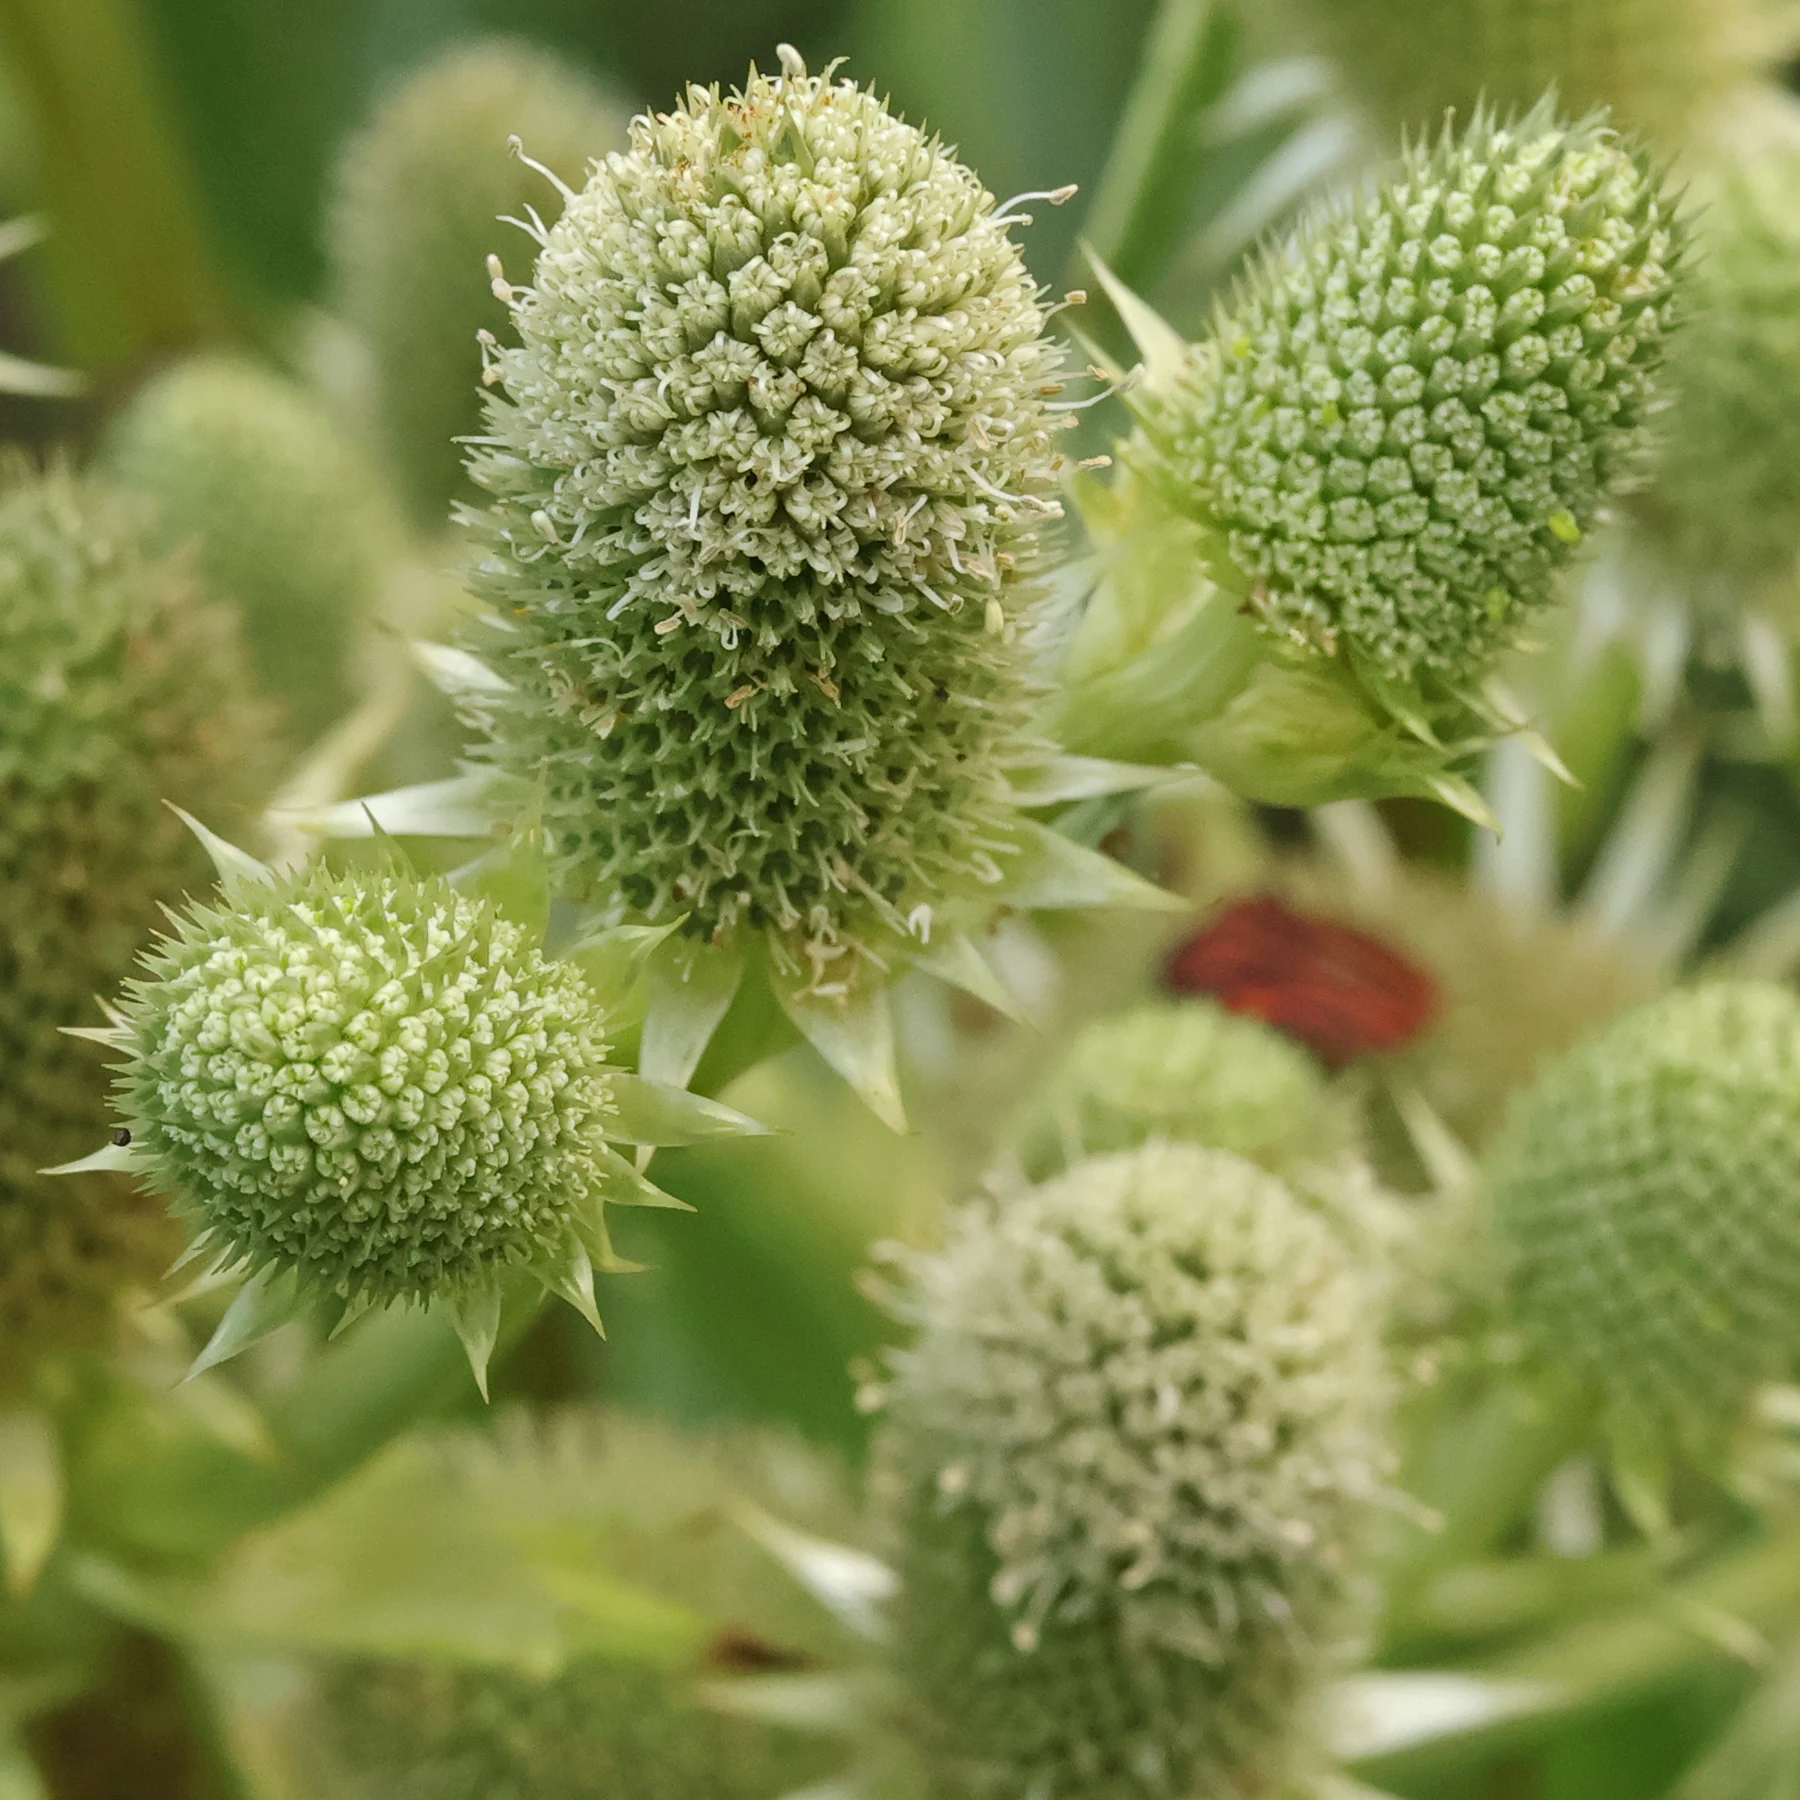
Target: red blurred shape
{"x": 1339, "y": 992}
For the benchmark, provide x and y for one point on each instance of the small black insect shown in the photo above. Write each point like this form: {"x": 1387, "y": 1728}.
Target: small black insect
{"x": 939, "y": 689}
{"x": 121, "y": 1137}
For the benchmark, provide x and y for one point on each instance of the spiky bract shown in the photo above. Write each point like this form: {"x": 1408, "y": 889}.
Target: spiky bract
{"x": 119, "y": 686}
{"x": 371, "y": 1080}
{"x": 765, "y": 484}
{"x": 284, "y": 516}
{"x": 1660, "y": 65}
{"x": 1410, "y": 414}
{"x": 1726, "y": 498}
{"x": 1187, "y": 1070}
{"x": 1647, "y": 1192}
{"x": 1125, "y": 1456}
{"x": 421, "y": 195}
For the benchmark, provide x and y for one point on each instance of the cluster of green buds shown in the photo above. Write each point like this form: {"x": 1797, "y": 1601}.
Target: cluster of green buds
{"x": 1346, "y": 502}
{"x": 1661, "y": 66}
{"x": 120, "y": 685}
{"x": 1646, "y": 1192}
{"x": 420, "y": 200}
{"x": 1123, "y": 1463}
{"x": 285, "y": 517}
{"x": 768, "y": 467}
{"x": 362, "y": 1089}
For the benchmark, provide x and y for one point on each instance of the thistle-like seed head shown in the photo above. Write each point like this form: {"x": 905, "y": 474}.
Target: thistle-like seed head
{"x": 1187, "y": 1070}
{"x": 372, "y": 1081}
{"x": 1659, "y": 65}
{"x": 282, "y": 514}
{"x": 421, "y": 198}
{"x": 1125, "y": 1456}
{"x": 1646, "y": 1190}
{"x": 1726, "y": 496}
{"x": 767, "y": 469}
{"x": 119, "y": 685}
{"x": 1411, "y": 413}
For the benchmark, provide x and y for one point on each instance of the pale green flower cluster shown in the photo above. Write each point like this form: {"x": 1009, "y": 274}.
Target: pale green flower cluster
{"x": 1646, "y": 1191}
{"x": 1125, "y": 1458}
{"x": 767, "y": 478}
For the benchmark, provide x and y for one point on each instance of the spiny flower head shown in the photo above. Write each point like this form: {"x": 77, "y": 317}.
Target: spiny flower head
{"x": 282, "y": 513}
{"x": 767, "y": 476}
{"x": 1125, "y": 1456}
{"x": 120, "y": 685}
{"x": 1726, "y": 498}
{"x": 1188, "y": 1070}
{"x": 1647, "y": 1193}
{"x": 422, "y": 193}
{"x": 1394, "y": 437}
{"x": 1660, "y": 65}
{"x": 1410, "y": 415}
{"x": 418, "y": 1731}
{"x": 375, "y": 1089}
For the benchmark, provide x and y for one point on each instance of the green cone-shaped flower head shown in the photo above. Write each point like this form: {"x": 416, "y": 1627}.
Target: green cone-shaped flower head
{"x": 283, "y": 514}
{"x": 120, "y": 685}
{"x": 1726, "y": 498}
{"x": 1647, "y": 1193}
{"x": 767, "y": 475}
{"x": 373, "y": 1088}
{"x": 1398, "y": 431}
{"x": 1187, "y": 1070}
{"x": 1126, "y": 1455}
{"x": 421, "y": 195}
{"x": 1660, "y": 65}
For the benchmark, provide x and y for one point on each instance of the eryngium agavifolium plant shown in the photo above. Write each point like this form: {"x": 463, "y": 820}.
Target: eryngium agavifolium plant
{"x": 1726, "y": 497}
{"x": 280, "y": 510}
{"x": 597, "y": 1731}
{"x": 768, "y": 467}
{"x": 1646, "y": 1192}
{"x": 1660, "y": 65}
{"x": 368, "y": 1089}
{"x": 1124, "y": 1460}
{"x": 1184, "y": 1069}
{"x": 1396, "y": 434}
{"x": 422, "y": 195}
{"x": 120, "y": 685}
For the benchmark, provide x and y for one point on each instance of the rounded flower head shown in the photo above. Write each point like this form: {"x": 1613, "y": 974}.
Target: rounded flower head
{"x": 282, "y": 514}
{"x": 1726, "y": 498}
{"x": 421, "y": 195}
{"x": 373, "y": 1088}
{"x": 766, "y": 479}
{"x": 767, "y": 468}
{"x": 1125, "y": 1456}
{"x": 1647, "y": 1192}
{"x": 1660, "y": 65}
{"x": 1397, "y": 433}
{"x": 1188, "y": 1070}
{"x": 119, "y": 685}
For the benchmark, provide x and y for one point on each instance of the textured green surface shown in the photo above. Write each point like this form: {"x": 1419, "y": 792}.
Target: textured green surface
{"x": 119, "y": 687}
{"x": 765, "y": 481}
{"x": 1125, "y": 1457}
{"x": 1410, "y": 413}
{"x": 1647, "y": 1193}
{"x": 369, "y": 1079}
{"x": 282, "y": 513}
{"x": 419, "y": 201}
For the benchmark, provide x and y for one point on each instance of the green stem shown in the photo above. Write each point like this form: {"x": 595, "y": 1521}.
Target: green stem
{"x": 128, "y": 258}
{"x": 1141, "y": 198}
{"x": 1727, "y": 1611}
